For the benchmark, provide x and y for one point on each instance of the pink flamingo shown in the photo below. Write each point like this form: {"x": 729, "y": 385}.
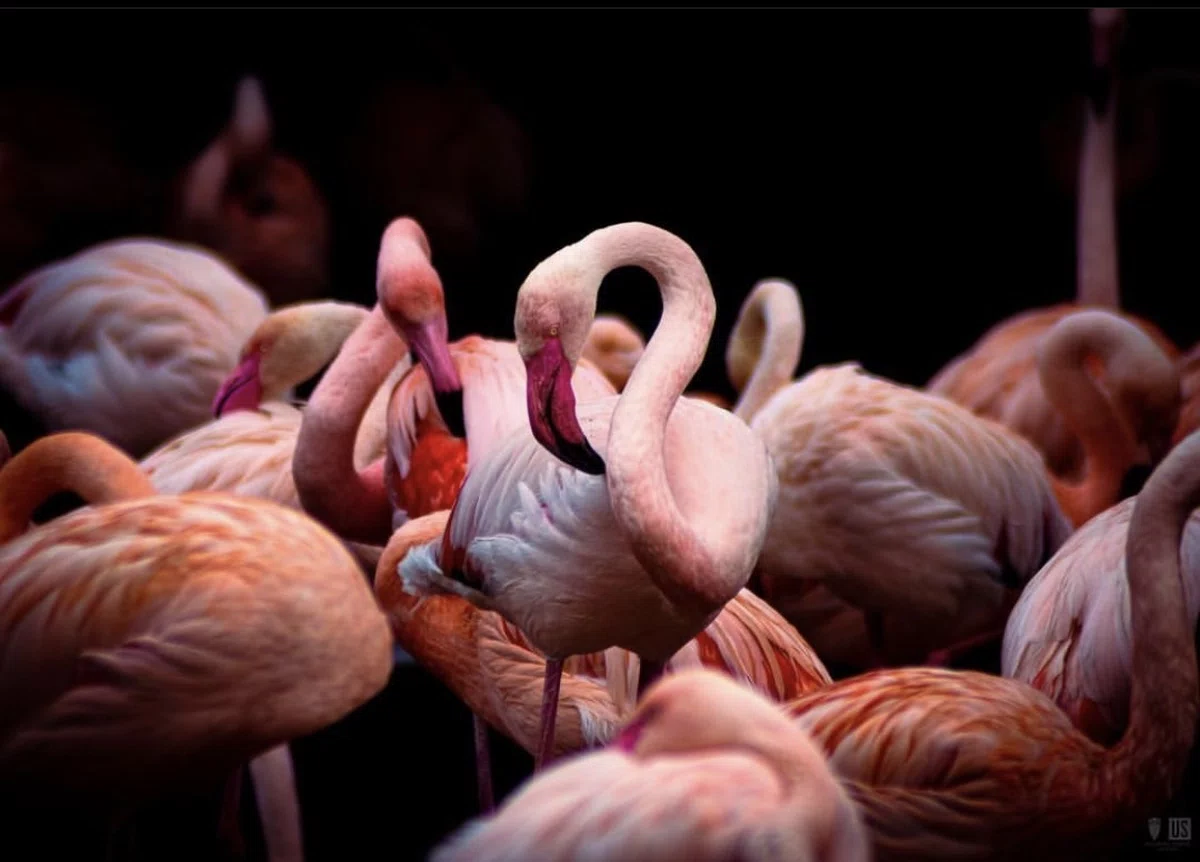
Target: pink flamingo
{"x": 641, "y": 546}
{"x": 706, "y": 769}
{"x": 128, "y": 340}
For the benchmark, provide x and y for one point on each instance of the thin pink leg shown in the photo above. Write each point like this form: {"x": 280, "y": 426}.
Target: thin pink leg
{"x": 483, "y": 766}
{"x": 549, "y": 712}
{"x": 648, "y": 672}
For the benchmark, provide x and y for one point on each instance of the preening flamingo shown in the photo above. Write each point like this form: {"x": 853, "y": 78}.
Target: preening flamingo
{"x": 639, "y": 544}
{"x": 247, "y": 450}
{"x": 497, "y": 672}
{"x": 256, "y": 207}
{"x": 154, "y": 643}
{"x": 998, "y": 376}
{"x": 706, "y": 770}
{"x": 958, "y": 509}
{"x": 128, "y": 340}
{"x": 1069, "y": 634}
{"x": 614, "y": 346}
{"x": 962, "y": 765}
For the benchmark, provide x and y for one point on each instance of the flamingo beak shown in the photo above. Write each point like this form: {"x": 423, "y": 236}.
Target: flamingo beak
{"x": 242, "y": 389}
{"x": 551, "y": 402}
{"x": 431, "y": 346}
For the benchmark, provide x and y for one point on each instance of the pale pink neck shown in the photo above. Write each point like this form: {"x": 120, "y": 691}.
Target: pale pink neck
{"x": 1149, "y": 761}
{"x": 1097, "y": 271}
{"x": 768, "y": 338}
{"x": 351, "y": 503}
{"x": 673, "y": 554}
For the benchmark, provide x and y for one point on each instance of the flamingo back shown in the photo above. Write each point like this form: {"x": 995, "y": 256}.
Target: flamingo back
{"x": 127, "y": 339}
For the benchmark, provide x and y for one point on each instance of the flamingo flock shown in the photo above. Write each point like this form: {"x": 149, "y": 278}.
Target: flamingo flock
{"x": 747, "y": 631}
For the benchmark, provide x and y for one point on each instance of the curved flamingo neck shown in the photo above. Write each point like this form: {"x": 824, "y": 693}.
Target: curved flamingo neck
{"x": 1097, "y": 266}
{"x": 71, "y": 461}
{"x": 311, "y": 337}
{"x": 1087, "y": 413}
{"x": 1149, "y": 761}
{"x": 766, "y": 340}
{"x": 353, "y": 504}
{"x": 666, "y": 545}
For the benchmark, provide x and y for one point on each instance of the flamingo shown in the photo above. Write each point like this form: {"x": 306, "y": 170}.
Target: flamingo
{"x": 614, "y": 345}
{"x": 1069, "y": 634}
{"x": 256, "y": 207}
{"x": 469, "y": 392}
{"x": 1189, "y": 385}
{"x": 705, "y": 770}
{"x": 497, "y": 672}
{"x": 959, "y": 510}
{"x": 638, "y": 545}
{"x": 247, "y": 450}
{"x": 128, "y": 339}
{"x": 155, "y": 643}
{"x": 998, "y": 377}
{"x": 962, "y": 765}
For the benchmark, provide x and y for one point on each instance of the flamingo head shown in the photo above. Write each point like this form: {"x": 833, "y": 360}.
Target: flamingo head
{"x": 243, "y": 388}
{"x": 411, "y": 296}
{"x": 552, "y": 324}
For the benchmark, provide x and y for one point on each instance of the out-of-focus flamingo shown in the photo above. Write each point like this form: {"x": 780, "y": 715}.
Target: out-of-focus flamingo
{"x": 958, "y": 509}
{"x": 247, "y": 450}
{"x": 152, "y": 644}
{"x": 963, "y": 765}
{"x": 1069, "y": 634}
{"x": 256, "y": 207}
{"x": 998, "y": 376}
{"x": 705, "y": 770}
{"x": 645, "y": 556}
{"x": 128, "y": 340}
{"x": 497, "y": 672}
{"x": 614, "y": 346}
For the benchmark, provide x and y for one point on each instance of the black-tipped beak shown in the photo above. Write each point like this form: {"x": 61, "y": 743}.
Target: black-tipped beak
{"x": 450, "y": 406}
{"x": 551, "y": 403}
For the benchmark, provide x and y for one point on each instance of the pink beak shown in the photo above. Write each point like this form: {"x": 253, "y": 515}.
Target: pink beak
{"x": 551, "y": 403}
{"x": 242, "y": 389}
{"x": 430, "y": 344}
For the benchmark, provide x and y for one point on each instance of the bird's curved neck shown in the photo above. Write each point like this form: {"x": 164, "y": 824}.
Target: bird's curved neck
{"x": 666, "y": 545}
{"x": 768, "y": 337}
{"x": 1148, "y": 762}
{"x": 324, "y": 330}
{"x": 353, "y": 504}
{"x": 80, "y": 463}
{"x": 1090, "y": 415}
{"x": 1097, "y": 269}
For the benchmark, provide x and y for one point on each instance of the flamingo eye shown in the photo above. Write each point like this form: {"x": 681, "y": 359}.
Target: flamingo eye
{"x": 554, "y": 331}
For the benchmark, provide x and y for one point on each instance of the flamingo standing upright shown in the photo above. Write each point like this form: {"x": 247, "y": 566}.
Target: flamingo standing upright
{"x": 998, "y": 377}
{"x": 153, "y": 643}
{"x": 128, "y": 340}
{"x": 638, "y": 545}
{"x": 705, "y": 770}
{"x": 493, "y": 668}
{"x": 962, "y": 765}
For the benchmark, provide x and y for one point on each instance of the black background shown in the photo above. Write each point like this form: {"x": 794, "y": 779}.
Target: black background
{"x": 894, "y": 164}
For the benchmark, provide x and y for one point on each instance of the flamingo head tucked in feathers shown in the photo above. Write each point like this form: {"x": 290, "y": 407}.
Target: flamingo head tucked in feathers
{"x": 553, "y": 318}
{"x": 410, "y": 293}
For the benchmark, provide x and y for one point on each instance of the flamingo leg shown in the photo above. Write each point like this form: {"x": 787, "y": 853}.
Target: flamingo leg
{"x": 648, "y": 672}
{"x": 549, "y": 712}
{"x": 483, "y": 766}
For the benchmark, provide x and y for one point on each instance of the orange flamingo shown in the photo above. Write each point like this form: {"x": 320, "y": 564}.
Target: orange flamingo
{"x": 705, "y": 770}
{"x": 128, "y": 340}
{"x": 641, "y": 549}
{"x": 614, "y": 346}
{"x": 498, "y": 673}
{"x": 256, "y": 207}
{"x": 151, "y": 644}
{"x": 962, "y": 765}
{"x": 998, "y": 377}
